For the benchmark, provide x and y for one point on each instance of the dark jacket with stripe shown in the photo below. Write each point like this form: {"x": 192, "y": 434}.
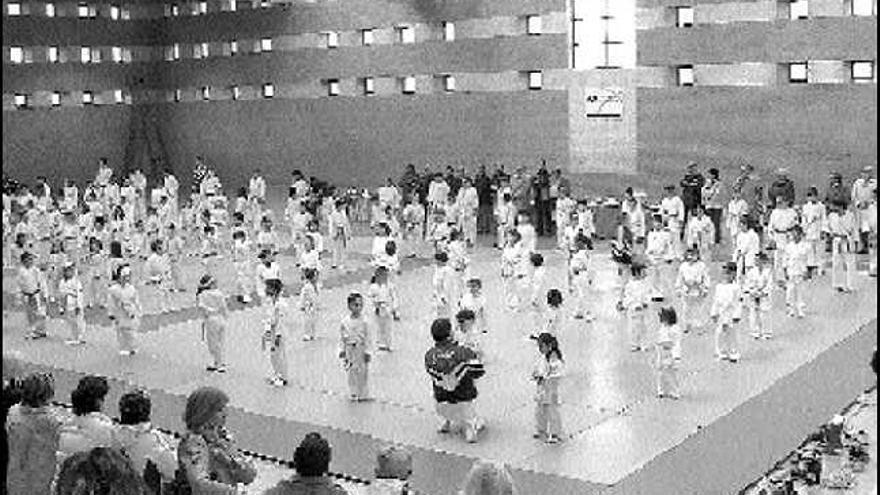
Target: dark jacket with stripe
{"x": 453, "y": 369}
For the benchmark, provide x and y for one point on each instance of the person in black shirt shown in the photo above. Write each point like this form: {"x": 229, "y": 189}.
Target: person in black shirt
{"x": 484, "y": 192}
{"x": 543, "y": 206}
{"x": 692, "y": 190}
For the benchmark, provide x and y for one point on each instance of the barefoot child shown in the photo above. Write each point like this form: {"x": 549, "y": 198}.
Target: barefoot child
{"x": 273, "y": 336}
{"x": 726, "y": 310}
{"x": 32, "y": 287}
{"x": 382, "y": 298}
{"x": 125, "y": 310}
{"x": 580, "y": 278}
{"x": 308, "y": 304}
{"x": 547, "y": 375}
{"x": 212, "y": 304}
{"x": 70, "y": 291}
{"x": 795, "y": 258}
{"x": 355, "y": 349}
{"x": 692, "y": 285}
{"x": 636, "y": 297}
{"x": 668, "y": 339}
{"x": 757, "y": 289}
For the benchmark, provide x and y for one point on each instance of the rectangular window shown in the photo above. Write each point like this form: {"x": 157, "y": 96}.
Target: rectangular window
{"x": 235, "y": 91}
{"x": 369, "y": 86}
{"x": 96, "y": 55}
{"x": 204, "y": 47}
{"x": 863, "y": 7}
{"x": 52, "y": 56}
{"x": 13, "y": 9}
{"x": 114, "y": 12}
{"x": 175, "y": 10}
{"x": 88, "y": 98}
{"x": 533, "y": 24}
{"x": 406, "y": 34}
{"x": 448, "y": 31}
{"x": 332, "y": 39}
{"x": 50, "y": 10}
{"x": 268, "y": 90}
{"x": 116, "y": 54}
{"x": 233, "y": 47}
{"x": 118, "y": 97}
{"x": 203, "y": 8}
{"x": 685, "y": 75}
{"x": 16, "y": 54}
{"x": 126, "y": 55}
{"x": 684, "y": 17}
{"x": 82, "y": 10}
{"x": 449, "y": 83}
{"x": 175, "y": 51}
{"x": 367, "y": 37}
{"x": 232, "y": 8}
{"x": 799, "y": 9}
{"x": 206, "y": 93}
{"x": 797, "y": 72}
{"x": 863, "y": 72}
{"x": 178, "y": 95}
{"x": 85, "y": 54}
{"x": 408, "y": 85}
{"x": 333, "y": 87}
{"x": 125, "y": 14}
{"x": 536, "y": 79}
{"x": 55, "y": 99}
{"x": 266, "y": 45}
{"x": 21, "y": 100}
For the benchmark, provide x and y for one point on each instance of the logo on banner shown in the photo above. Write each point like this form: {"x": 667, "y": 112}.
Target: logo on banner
{"x": 604, "y": 103}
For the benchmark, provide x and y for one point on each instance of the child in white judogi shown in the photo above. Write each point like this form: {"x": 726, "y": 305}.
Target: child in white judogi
{"x": 125, "y": 310}
{"x": 70, "y": 292}
{"x": 474, "y": 301}
{"x": 737, "y": 209}
{"x": 565, "y": 209}
{"x": 672, "y": 211}
{"x": 32, "y": 287}
{"x": 813, "y": 218}
{"x": 795, "y": 261}
{"x": 586, "y": 219}
{"x": 636, "y": 298}
{"x": 547, "y": 374}
{"x": 266, "y": 238}
{"x": 413, "y": 222}
{"x": 581, "y": 279}
{"x": 842, "y": 229}
{"x": 157, "y": 272}
{"x": 214, "y": 312}
{"x": 555, "y": 314}
{"x": 529, "y": 236}
{"x": 273, "y": 334}
{"x": 534, "y": 293}
{"x": 459, "y": 261}
{"x": 757, "y": 288}
{"x": 700, "y": 233}
{"x": 242, "y": 260}
{"x": 692, "y": 285}
{"x": 726, "y": 312}
{"x": 442, "y": 283}
{"x": 668, "y": 339}
{"x": 269, "y": 269}
{"x": 510, "y": 260}
{"x": 382, "y": 297}
{"x": 658, "y": 251}
{"x": 311, "y": 257}
{"x": 308, "y": 304}
{"x": 174, "y": 249}
{"x": 355, "y": 349}
{"x": 748, "y": 245}
{"x": 340, "y": 234}
{"x": 783, "y": 218}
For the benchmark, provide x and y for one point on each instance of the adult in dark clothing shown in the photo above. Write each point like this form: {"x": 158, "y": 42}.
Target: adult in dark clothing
{"x": 198, "y": 174}
{"x": 837, "y": 192}
{"x": 409, "y": 181}
{"x": 485, "y": 194}
{"x": 453, "y": 369}
{"x": 425, "y": 184}
{"x": 453, "y": 180}
{"x": 500, "y": 175}
{"x": 11, "y": 397}
{"x": 541, "y": 191}
{"x": 782, "y": 187}
{"x": 692, "y": 190}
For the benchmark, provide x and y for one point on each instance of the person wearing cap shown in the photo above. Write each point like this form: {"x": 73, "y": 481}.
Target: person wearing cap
{"x": 311, "y": 459}
{"x": 33, "y": 429}
{"x": 32, "y": 287}
{"x": 125, "y": 310}
{"x": 692, "y": 189}
{"x": 782, "y": 187}
{"x": 393, "y": 469}
{"x": 863, "y": 189}
{"x": 207, "y": 455}
{"x": 453, "y": 369}
{"x": 212, "y": 304}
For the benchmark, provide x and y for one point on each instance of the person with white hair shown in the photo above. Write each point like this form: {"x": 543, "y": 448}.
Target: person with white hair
{"x": 488, "y": 478}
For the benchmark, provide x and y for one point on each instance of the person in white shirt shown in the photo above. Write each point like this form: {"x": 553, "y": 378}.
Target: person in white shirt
{"x": 658, "y": 253}
{"x": 526, "y": 230}
{"x": 748, "y": 244}
{"x": 172, "y": 188}
{"x": 467, "y": 204}
{"x": 565, "y": 208}
{"x": 340, "y": 234}
{"x": 813, "y": 219}
{"x": 274, "y": 339}
{"x": 382, "y": 297}
{"x": 157, "y": 271}
{"x": 726, "y": 312}
{"x": 442, "y": 283}
{"x": 668, "y": 340}
{"x": 214, "y": 311}
{"x": 636, "y": 298}
{"x": 842, "y": 229}
{"x": 672, "y": 210}
{"x": 389, "y": 195}
{"x": 758, "y": 295}
{"x": 257, "y": 187}
{"x": 692, "y": 285}
{"x": 581, "y": 279}
{"x": 505, "y": 217}
{"x": 782, "y": 219}
{"x": 32, "y": 287}
{"x": 700, "y": 233}
{"x": 796, "y": 254}
{"x": 863, "y": 190}
{"x": 70, "y": 291}
{"x": 635, "y": 215}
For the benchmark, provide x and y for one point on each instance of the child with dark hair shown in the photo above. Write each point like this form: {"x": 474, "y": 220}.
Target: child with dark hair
{"x": 157, "y": 271}
{"x": 394, "y": 466}
{"x": 273, "y": 336}
{"x": 554, "y": 317}
{"x": 90, "y": 427}
{"x": 692, "y": 285}
{"x": 511, "y": 260}
{"x": 355, "y": 348}
{"x": 95, "y": 273}
{"x": 214, "y": 311}
{"x": 308, "y": 303}
{"x": 757, "y": 293}
{"x": 32, "y": 287}
{"x": 842, "y": 230}
{"x": 33, "y": 430}
{"x": 125, "y": 309}
{"x": 70, "y": 290}
{"x": 100, "y": 471}
{"x": 636, "y": 297}
{"x": 474, "y": 300}
{"x": 242, "y": 261}
{"x": 726, "y": 312}
{"x": 795, "y": 257}
{"x": 537, "y": 281}
{"x": 813, "y": 218}
{"x": 382, "y": 298}
{"x": 467, "y": 335}
{"x": 581, "y": 279}
{"x": 547, "y": 375}
{"x": 139, "y": 441}
{"x": 668, "y": 354}
{"x": 312, "y": 462}
{"x": 443, "y": 285}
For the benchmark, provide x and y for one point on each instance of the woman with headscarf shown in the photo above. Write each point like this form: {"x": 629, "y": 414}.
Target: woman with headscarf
{"x": 487, "y": 478}
{"x": 208, "y": 458}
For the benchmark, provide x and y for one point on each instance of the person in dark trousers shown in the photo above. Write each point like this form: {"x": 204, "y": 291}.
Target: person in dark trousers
{"x": 692, "y": 190}
{"x": 483, "y": 183}
{"x": 541, "y": 191}
{"x": 713, "y": 202}
{"x": 453, "y": 368}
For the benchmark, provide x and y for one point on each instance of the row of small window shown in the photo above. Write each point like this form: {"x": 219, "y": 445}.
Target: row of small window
{"x": 797, "y": 9}
{"x": 119, "y": 97}
{"x": 84, "y": 10}
{"x": 367, "y": 86}
{"x": 798, "y": 73}
{"x": 118, "y": 54}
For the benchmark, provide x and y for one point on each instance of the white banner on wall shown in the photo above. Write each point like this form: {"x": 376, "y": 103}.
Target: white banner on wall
{"x": 604, "y": 103}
